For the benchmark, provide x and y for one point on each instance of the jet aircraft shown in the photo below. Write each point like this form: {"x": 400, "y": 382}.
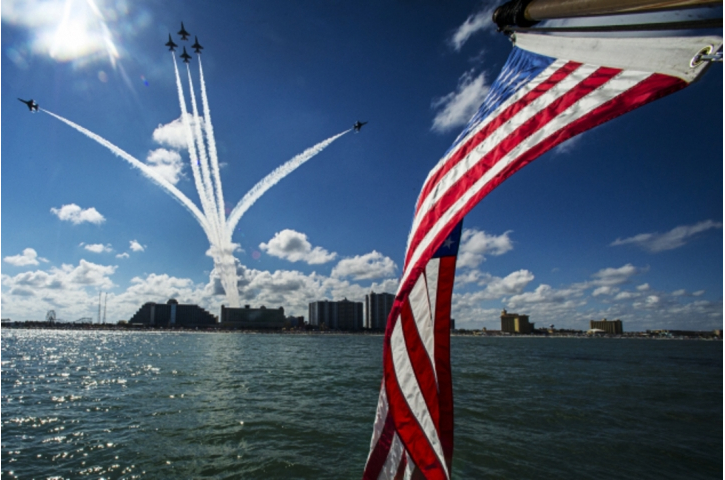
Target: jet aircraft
{"x": 30, "y": 103}
{"x": 185, "y": 56}
{"x": 358, "y": 125}
{"x": 184, "y": 34}
{"x": 197, "y": 48}
{"x": 171, "y": 44}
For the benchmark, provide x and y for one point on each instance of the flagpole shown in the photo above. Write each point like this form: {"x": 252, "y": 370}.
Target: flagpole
{"x": 548, "y": 9}
{"x": 525, "y": 13}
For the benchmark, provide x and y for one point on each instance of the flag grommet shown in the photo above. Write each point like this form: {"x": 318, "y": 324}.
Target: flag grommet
{"x": 697, "y": 59}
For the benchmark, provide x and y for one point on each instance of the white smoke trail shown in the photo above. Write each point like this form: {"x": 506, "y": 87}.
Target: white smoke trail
{"x": 150, "y": 173}
{"x": 204, "y": 162}
{"x": 225, "y": 261}
{"x": 270, "y": 180}
{"x": 205, "y": 203}
{"x": 209, "y": 130}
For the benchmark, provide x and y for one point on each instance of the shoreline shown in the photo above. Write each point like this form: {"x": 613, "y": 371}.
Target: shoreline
{"x": 649, "y": 335}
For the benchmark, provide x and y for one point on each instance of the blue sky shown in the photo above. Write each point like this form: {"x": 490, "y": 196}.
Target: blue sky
{"x": 624, "y": 221}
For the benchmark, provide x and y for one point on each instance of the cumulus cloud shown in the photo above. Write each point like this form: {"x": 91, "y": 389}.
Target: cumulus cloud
{"x": 545, "y": 294}
{"x": 294, "y": 246}
{"x": 173, "y": 134}
{"x": 476, "y": 244}
{"x": 166, "y": 163}
{"x": 65, "y": 278}
{"x": 28, "y": 257}
{"x": 476, "y": 22}
{"x": 123, "y": 255}
{"x": 660, "y": 242}
{"x": 365, "y": 267}
{"x": 455, "y": 109}
{"x": 136, "y": 247}
{"x": 98, "y": 248}
{"x": 76, "y": 215}
{"x": 605, "y": 290}
{"x": 609, "y": 277}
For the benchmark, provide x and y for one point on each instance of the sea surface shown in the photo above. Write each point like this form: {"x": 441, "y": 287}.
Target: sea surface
{"x": 243, "y": 406}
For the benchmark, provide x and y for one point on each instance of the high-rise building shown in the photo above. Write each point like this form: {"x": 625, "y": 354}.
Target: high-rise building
{"x": 172, "y": 314}
{"x": 377, "y": 309}
{"x": 609, "y": 326}
{"x": 515, "y": 323}
{"x": 253, "y": 318}
{"x": 341, "y": 315}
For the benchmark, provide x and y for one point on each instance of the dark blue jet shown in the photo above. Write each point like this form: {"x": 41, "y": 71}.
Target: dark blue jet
{"x": 171, "y": 44}
{"x": 184, "y": 34}
{"x": 197, "y": 48}
{"x": 185, "y": 56}
{"x": 30, "y": 103}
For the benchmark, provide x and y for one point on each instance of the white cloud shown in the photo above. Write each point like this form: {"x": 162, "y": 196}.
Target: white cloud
{"x": 173, "y": 134}
{"x": 65, "y": 278}
{"x": 294, "y": 246}
{"x": 98, "y": 248}
{"x": 569, "y": 145}
{"x": 166, "y": 163}
{"x": 456, "y": 108}
{"x": 627, "y": 295}
{"x": 76, "y": 215}
{"x": 677, "y": 237}
{"x": 365, "y": 267}
{"x": 477, "y": 22}
{"x": 123, "y": 255}
{"x": 615, "y": 276}
{"x": 28, "y": 257}
{"x": 605, "y": 290}
{"x": 476, "y": 244}
{"x": 136, "y": 247}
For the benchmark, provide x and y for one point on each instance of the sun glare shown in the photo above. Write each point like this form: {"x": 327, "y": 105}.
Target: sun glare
{"x": 65, "y": 30}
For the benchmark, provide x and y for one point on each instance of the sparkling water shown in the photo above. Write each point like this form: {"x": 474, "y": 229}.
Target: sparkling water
{"x": 104, "y": 404}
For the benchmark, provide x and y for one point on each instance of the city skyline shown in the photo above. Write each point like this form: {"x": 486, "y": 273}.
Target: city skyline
{"x": 624, "y": 221}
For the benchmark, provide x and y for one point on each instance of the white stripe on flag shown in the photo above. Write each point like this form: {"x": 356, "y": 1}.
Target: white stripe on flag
{"x": 496, "y": 137}
{"x": 603, "y": 94}
{"x": 535, "y": 82}
{"x": 381, "y": 415}
{"x": 423, "y": 319}
{"x": 405, "y": 375}
{"x": 432, "y": 269}
{"x": 395, "y": 455}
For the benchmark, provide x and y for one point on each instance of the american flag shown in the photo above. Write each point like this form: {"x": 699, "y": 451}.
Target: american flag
{"x": 549, "y": 90}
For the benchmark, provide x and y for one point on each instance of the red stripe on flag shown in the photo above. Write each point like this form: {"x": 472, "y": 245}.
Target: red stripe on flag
{"x": 379, "y": 455}
{"x": 533, "y": 124}
{"x": 421, "y": 362}
{"x": 407, "y": 426}
{"x": 652, "y": 88}
{"x": 446, "y": 275}
{"x": 492, "y": 126}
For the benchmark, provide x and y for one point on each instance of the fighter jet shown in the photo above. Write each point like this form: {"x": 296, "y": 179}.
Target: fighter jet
{"x": 30, "y": 103}
{"x": 185, "y": 56}
{"x": 197, "y": 48}
{"x": 358, "y": 125}
{"x": 171, "y": 44}
{"x": 184, "y": 34}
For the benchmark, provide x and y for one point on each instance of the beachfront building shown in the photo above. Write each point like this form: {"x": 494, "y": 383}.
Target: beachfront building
{"x": 613, "y": 326}
{"x": 341, "y": 315}
{"x": 172, "y": 314}
{"x": 515, "y": 323}
{"x": 261, "y": 318}
{"x": 377, "y": 309}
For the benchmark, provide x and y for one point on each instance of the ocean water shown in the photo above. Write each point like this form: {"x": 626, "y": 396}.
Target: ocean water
{"x": 228, "y": 406}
